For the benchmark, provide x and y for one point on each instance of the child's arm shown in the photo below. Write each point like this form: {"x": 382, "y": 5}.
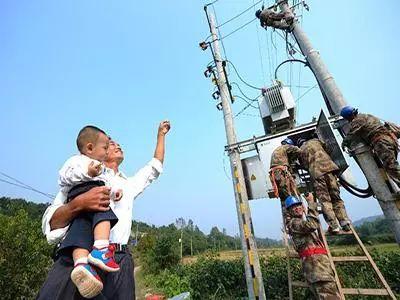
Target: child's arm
{"x": 116, "y": 192}
{"x": 78, "y": 169}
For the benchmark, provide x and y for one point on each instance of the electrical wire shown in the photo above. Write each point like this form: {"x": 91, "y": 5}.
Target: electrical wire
{"x": 289, "y": 60}
{"x": 237, "y": 29}
{"x": 211, "y": 3}
{"x": 242, "y": 110}
{"x": 240, "y": 77}
{"x": 240, "y": 14}
{"x": 244, "y": 99}
{"x": 259, "y": 49}
{"x": 20, "y": 184}
{"x": 306, "y": 92}
{"x": 244, "y": 95}
{"x": 274, "y": 49}
{"x": 295, "y": 48}
{"x": 360, "y": 193}
{"x": 219, "y": 32}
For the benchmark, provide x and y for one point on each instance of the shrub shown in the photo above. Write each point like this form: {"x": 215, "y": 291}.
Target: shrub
{"x": 161, "y": 254}
{"x": 211, "y": 278}
{"x": 24, "y": 256}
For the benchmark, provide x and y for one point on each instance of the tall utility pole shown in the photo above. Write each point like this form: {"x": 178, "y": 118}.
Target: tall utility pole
{"x": 376, "y": 177}
{"x": 181, "y": 240}
{"x": 254, "y": 280}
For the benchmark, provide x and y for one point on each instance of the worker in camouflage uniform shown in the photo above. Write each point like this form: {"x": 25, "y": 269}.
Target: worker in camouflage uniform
{"x": 280, "y": 171}
{"x": 322, "y": 169}
{"x": 315, "y": 263}
{"x": 270, "y": 18}
{"x": 381, "y": 137}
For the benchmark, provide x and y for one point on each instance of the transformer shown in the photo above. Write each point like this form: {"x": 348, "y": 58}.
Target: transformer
{"x": 277, "y": 109}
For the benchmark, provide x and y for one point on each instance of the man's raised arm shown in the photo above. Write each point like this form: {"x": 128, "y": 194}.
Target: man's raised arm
{"x": 160, "y": 147}
{"x": 146, "y": 175}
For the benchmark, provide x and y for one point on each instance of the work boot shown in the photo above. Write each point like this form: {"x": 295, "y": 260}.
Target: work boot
{"x": 345, "y": 225}
{"x": 346, "y": 228}
{"x": 333, "y": 230}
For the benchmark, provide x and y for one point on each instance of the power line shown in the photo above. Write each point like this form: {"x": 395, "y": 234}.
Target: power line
{"x": 242, "y": 110}
{"x": 23, "y": 186}
{"x": 306, "y": 92}
{"x": 244, "y": 95}
{"x": 211, "y": 3}
{"x": 238, "y": 15}
{"x": 259, "y": 49}
{"x": 240, "y": 77}
{"x": 247, "y": 101}
{"x": 219, "y": 32}
{"x": 293, "y": 46}
{"x": 237, "y": 29}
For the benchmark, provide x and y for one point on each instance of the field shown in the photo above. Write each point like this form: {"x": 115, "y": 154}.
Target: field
{"x": 281, "y": 251}
{"x": 221, "y": 275}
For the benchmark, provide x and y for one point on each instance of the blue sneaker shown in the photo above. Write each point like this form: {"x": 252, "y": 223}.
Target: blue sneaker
{"x": 104, "y": 259}
{"x": 86, "y": 280}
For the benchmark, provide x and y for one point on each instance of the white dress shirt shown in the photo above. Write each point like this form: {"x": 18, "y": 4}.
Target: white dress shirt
{"x": 75, "y": 171}
{"x": 131, "y": 187}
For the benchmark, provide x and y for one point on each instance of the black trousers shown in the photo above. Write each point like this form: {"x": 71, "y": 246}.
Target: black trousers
{"x": 117, "y": 286}
{"x": 80, "y": 232}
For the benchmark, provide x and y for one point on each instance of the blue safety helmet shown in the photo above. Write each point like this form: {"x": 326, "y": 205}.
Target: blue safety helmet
{"x": 287, "y": 141}
{"x": 348, "y": 111}
{"x": 300, "y": 142}
{"x": 291, "y": 201}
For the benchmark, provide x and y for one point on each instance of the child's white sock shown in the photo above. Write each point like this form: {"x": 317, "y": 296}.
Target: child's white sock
{"x": 99, "y": 244}
{"x": 81, "y": 260}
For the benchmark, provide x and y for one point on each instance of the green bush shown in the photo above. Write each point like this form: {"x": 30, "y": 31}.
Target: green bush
{"x": 211, "y": 278}
{"x": 159, "y": 254}
{"x": 24, "y": 256}
{"x": 169, "y": 282}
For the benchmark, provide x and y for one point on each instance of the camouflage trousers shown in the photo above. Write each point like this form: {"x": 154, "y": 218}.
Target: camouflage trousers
{"x": 283, "y": 188}
{"x": 320, "y": 277}
{"x": 386, "y": 149}
{"x": 325, "y": 290}
{"x": 328, "y": 193}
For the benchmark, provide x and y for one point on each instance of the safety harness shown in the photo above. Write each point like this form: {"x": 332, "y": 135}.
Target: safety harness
{"x": 290, "y": 183}
{"x": 312, "y": 251}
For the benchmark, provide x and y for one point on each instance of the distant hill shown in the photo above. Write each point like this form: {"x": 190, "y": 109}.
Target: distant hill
{"x": 372, "y": 230}
{"x": 367, "y": 219}
{"x": 10, "y": 206}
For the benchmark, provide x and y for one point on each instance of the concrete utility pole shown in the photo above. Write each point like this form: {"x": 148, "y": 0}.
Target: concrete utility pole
{"x": 376, "y": 176}
{"x": 254, "y": 279}
{"x": 181, "y": 240}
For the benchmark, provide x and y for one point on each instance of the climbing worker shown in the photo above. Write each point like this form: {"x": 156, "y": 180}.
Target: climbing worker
{"x": 280, "y": 170}
{"x": 315, "y": 263}
{"x": 322, "y": 169}
{"x": 270, "y": 18}
{"x": 381, "y": 136}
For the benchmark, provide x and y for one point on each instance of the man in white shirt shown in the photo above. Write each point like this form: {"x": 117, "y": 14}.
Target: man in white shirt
{"x": 58, "y": 216}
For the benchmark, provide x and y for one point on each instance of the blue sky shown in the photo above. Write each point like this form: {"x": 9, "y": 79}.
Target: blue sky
{"x": 126, "y": 65}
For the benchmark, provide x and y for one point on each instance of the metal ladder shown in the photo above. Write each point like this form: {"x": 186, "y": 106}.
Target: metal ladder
{"x": 384, "y": 292}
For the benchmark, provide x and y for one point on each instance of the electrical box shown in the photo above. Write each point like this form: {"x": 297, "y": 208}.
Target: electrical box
{"x": 277, "y": 109}
{"x": 325, "y": 133}
{"x": 256, "y": 168}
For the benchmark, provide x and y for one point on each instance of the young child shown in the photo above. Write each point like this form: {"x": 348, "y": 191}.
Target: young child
{"x": 79, "y": 174}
